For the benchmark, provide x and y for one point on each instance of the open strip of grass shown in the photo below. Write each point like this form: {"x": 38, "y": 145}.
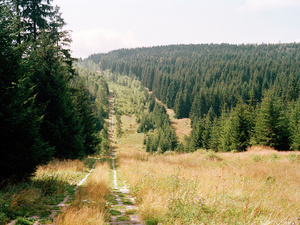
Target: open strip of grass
{"x": 90, "y": 205}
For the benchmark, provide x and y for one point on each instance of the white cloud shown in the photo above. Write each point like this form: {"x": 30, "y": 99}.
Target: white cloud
{"x": 86, "y": 42}
{"x": 261, "y": 5}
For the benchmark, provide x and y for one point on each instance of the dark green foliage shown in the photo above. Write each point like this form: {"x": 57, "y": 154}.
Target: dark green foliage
{"x": 295, "y": 126}
{"x": 271, "y": 128}
{"x": 225, "y": 81}
{"x": 201, "y": 134}
{"x": 191, "y": 79}
{"x": 241, "y": 128}
{"x": 61, "y": 125}
{"x": 35, "y": 16}
{"x": 22, "y": 147}
{"x": 145, "y": 124}
{"x": 119, "y": 128}
{"x": 42, "y": 111}
{"x": 164, "y": 137}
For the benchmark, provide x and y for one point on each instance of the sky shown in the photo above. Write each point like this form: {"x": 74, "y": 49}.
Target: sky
{"x": 100, "y": 26}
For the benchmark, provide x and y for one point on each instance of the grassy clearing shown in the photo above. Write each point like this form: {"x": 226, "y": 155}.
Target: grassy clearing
{"x": 230, "y": 189}
{"x": 90, "y": 205}
{"x": 48, "y": 186}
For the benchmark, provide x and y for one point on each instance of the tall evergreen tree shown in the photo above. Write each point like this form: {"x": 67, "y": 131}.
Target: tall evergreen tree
{"x": 22, "y": 147}
{"x": 240, "y": 128}
{"x": 36, "y": 14}
{"x": 61, "y": 125}
{"x": 271, "y": 127}
{"x": 294, "y": 126}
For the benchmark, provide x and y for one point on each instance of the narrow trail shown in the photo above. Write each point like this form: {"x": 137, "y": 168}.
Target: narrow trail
{"x": 125, "y": 202}
{"x": 62, "y": 205}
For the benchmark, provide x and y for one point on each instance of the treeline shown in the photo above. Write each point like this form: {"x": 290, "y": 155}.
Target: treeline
{"x": 45, "y": 109}
{"x": 269, "y": 123}
{"x": 196, "y": 79}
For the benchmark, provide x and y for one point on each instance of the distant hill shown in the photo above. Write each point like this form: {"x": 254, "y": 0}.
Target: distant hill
{"x": 193, "y": 79}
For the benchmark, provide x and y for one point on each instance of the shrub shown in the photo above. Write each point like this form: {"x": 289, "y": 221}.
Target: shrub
{"x": 274, "y": 157}
{"x": 211, "y": 155}
{"x": 293, "y": 157}
{"x": 257, "y": 158}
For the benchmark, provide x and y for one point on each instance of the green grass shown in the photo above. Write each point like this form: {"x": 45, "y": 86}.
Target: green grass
{"x": 123, "y": 218}
{"x": 131, "y": 212}
{"x": 126, "y": 201}
{"x": 293, "y": 157}
{"x": 24, "y": 221}
{"x": 111, "y": 199}
{"x": 46, "y": 221}
{"x": 114, "y": 212}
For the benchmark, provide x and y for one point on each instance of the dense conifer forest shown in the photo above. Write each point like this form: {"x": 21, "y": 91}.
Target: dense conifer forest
{"x": 46, "y": 109}
{"x": 236, "y": 95}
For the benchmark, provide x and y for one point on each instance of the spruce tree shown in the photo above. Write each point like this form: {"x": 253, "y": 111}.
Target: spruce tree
{"x": 61, "y": 125}
{"x": 271, "y": 128}
{"x": 22, "y": 147}
{"x": 87, "y": 116}
{"x": 36, "y": 14}
{"x": 240, "y": 128}
{"x": 294, "y": 126}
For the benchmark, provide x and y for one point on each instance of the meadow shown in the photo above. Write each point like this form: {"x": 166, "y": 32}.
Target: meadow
{"x": 258, "y": 186}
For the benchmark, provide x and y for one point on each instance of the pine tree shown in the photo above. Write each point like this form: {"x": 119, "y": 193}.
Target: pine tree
{"x": 22, "y": 147}
{"x": 271, "y": 126}
{"x": 240, "y": 128}
{"x": 36, "y": 14}
{"x": 294, "y": 126}
{"x": 179, "y": 105}
{"x": 88, "y": 119}
{"x": 61, "y": 125}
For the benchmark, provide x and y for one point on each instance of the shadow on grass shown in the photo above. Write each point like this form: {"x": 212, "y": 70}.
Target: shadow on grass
{"x": 32, "y": 198}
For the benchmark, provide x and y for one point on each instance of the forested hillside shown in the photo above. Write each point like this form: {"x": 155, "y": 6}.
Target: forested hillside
{"x": 45, "y": 109}
{"x": 191, "y": 79}
{"x": 236, "y": 95}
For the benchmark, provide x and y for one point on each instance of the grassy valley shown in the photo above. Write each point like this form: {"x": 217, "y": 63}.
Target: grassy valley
{"x": 259, "y": 186}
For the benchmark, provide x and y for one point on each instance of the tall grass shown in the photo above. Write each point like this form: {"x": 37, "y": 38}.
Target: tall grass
{"x": 90, "y": 204}
{"x": 225, "y": 188}
{"x": 65, "y": 170}
{"x": 47, "y": 186}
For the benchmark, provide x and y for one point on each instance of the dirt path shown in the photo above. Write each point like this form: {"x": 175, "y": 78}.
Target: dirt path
{"x": 125, "y": 212}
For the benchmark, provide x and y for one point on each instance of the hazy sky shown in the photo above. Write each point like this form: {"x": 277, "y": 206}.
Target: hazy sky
{"x": 103, "y": 25}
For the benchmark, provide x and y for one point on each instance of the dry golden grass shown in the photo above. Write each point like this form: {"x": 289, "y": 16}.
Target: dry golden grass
{"x": 89, "y": 207}
{"x": 64, "y": 170}
{"x": 193, "y": 188}
{"x": 97, "y": 185}
{"x": 62, "y": 165}
{"x": 85, "y": 215}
